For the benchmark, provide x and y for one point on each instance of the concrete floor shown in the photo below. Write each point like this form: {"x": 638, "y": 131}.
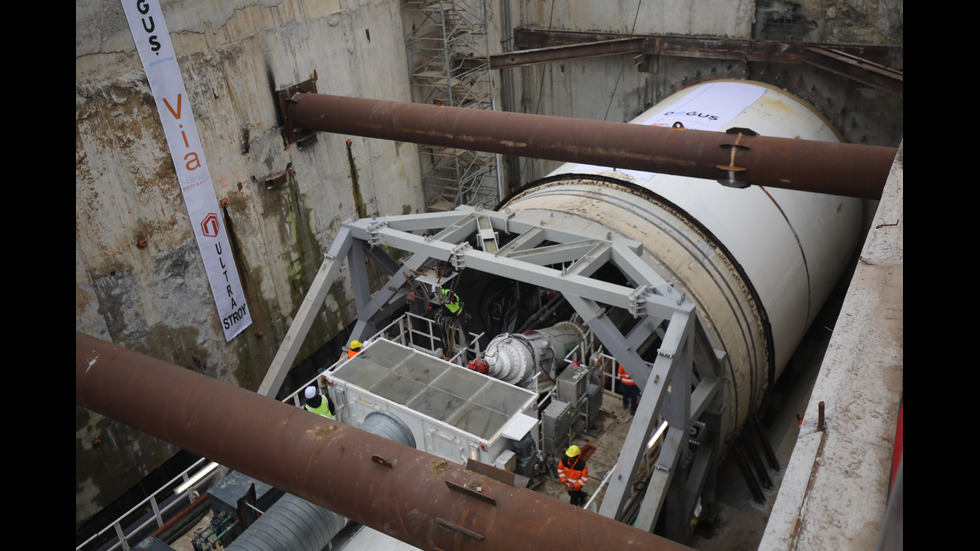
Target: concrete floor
{"x": 736, "y": 521}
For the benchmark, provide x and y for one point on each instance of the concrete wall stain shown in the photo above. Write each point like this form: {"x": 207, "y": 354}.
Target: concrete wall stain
{"x": 103, "y": 444}
{"x": 155, "y": 298}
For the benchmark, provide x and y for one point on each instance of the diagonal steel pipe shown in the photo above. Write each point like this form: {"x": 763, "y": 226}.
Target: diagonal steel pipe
{"x": 738, "y": 159}
{"x": 412, "y": 496}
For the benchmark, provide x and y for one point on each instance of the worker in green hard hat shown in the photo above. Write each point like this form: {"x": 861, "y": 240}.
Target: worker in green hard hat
{"x": 451, "y": 301}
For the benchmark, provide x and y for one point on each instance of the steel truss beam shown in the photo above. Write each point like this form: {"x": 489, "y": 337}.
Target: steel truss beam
{"x": 869, "y": 64}
{"x": 307, "y": 312}
{"x": 682, "y": 387}
{"x": 680, "y": 364}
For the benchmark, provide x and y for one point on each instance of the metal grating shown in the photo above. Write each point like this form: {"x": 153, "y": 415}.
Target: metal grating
{"x": 467, "y": 400}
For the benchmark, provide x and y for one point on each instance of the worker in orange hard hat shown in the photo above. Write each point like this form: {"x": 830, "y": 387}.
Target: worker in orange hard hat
{"x": 573, "y": 474}
{"x": 355, "y": 347}
{"x": 631, "y": 393}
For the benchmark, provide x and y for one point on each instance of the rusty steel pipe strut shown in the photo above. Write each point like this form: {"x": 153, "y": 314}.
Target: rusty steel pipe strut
{"x": 415, "y": 497}
{"x": 736, "y": 159}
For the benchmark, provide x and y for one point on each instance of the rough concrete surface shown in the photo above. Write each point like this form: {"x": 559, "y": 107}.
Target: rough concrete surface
{"x": 140, "y": 281}
{"x": 835, "y": 490}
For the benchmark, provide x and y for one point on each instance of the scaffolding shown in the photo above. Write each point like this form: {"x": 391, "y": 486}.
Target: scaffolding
{"x": 448, "y": 51}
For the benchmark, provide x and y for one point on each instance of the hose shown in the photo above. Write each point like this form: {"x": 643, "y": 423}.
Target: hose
{"x": 294, "y": 524}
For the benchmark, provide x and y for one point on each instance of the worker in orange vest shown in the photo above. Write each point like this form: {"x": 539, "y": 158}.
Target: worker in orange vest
{"x": 574, "y": 474}
{"x": 631, "y": 393}
{"x": 355, "y": 347}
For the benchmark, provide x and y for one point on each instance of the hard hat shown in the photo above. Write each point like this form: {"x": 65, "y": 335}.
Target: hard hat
{"x": 310, "y": 392}
{"x": 573, "y": 451}
{"x": 354, "y": 345}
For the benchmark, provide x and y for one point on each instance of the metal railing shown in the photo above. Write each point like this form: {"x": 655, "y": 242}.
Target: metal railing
{"x": 181, "y": 492}
{"x": 153, "y": 512}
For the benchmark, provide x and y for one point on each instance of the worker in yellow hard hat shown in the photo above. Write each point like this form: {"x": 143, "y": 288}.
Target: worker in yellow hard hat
{"x": 353, "y": 349}
{"x": 574, "y": 473}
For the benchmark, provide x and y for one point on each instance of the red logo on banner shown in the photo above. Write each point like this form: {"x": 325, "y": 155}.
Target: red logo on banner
{"x": 210, "y": 225}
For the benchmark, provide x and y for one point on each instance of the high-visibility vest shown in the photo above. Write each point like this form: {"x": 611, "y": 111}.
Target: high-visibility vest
{"x": 625, "y": 377}
{"x": 452, "y": 302}
{"x": 573, "y": 476}
{"x": 323, "y": 409}
{"x": 352, "y": 353}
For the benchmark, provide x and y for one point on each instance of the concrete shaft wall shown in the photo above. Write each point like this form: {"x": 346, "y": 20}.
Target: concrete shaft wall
{"x": 233, "y": 55}
{"x": 613, "y": 89}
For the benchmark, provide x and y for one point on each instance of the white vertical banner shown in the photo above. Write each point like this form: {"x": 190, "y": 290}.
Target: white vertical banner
{"x": 157, "y": 54}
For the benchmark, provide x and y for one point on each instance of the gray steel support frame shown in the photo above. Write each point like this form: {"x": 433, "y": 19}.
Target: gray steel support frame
{"x": 680, "y": 386}
{"x": 676, "y": 368}
{"x": 307, "y": 312}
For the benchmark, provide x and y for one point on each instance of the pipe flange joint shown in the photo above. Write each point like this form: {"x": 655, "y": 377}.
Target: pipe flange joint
{"x": 732, "y": 171}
